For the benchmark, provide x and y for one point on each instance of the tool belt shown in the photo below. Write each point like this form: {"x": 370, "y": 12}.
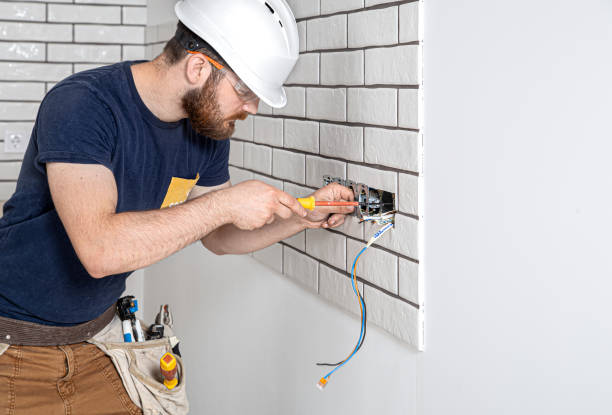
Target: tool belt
{"x": 17, "y": 332}
{"x": 137, "y": 363}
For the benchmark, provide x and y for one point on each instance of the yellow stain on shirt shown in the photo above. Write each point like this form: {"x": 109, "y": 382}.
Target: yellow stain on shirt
{"x": 178, "y": 191}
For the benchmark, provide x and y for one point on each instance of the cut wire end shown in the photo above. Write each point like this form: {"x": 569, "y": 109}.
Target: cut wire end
{"x": 322, "y": 383}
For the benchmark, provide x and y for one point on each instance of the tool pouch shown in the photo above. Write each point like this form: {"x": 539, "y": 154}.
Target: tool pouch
{"x": 138, "y": 366}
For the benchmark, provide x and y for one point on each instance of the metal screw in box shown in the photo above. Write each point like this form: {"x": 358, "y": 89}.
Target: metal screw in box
{"x": 374, "y": 204}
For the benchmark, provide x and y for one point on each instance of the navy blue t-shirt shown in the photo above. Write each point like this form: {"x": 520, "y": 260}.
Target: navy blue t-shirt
{"x": 93, "y": 117}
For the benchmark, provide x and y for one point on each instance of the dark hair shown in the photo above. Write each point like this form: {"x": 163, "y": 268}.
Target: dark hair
{"x": 184, "y": 39}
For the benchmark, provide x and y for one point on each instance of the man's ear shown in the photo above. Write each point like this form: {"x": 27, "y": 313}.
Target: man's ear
{"x": 197, "y": 69}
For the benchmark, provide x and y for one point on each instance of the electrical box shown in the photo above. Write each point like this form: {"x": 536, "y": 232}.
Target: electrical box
{"x": 374, "y": 204}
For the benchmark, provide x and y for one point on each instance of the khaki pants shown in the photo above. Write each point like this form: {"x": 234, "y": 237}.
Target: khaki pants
{"x": 64, "y": 380}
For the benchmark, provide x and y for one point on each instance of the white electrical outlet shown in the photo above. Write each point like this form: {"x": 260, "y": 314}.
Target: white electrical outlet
{"x": 15, "y": 142}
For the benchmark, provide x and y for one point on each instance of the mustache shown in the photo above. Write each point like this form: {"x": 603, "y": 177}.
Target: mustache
{"x": 240, "y": 116}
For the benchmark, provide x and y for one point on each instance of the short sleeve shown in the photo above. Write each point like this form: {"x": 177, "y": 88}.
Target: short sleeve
{"x": 74, "y": 126}
{"x": 216, "y": 171}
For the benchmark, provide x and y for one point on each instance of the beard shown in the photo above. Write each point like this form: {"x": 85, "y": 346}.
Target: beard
{"x": 205, "y": 114}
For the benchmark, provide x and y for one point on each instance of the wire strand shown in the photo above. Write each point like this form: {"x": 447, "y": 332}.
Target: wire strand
{"x": 362, "y": 305}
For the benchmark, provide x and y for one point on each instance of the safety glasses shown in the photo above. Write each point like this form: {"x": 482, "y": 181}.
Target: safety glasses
{"x": 242, "y": 90}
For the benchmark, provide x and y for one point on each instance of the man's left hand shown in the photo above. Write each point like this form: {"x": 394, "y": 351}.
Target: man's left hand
{"x": 330, "y": 216}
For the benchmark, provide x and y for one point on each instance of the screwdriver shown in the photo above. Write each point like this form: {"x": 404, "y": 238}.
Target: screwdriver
{"x": 310, "y": 203}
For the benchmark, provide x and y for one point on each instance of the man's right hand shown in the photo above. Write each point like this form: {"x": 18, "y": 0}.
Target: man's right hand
{"x": 253, "y": 204}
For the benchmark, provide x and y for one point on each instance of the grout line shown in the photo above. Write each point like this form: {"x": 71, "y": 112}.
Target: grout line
{"x": 382, "y": 248}
{"x": 31, "y": 23}
{"x": 343, "y": 123}
{"x": 347, "y": 49}
{"x": 359, "y": 10}
{"x": 348, "y": 275}
{"x": 372, "y": 86}
{"x": 398, "y": 275}
{"x": 339, "y": 159}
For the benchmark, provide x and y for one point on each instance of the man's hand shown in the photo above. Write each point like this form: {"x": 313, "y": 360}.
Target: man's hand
{"x": 321, "y": 214}
{"x": 253, "y": 204}
{"x": 250, "y": 209}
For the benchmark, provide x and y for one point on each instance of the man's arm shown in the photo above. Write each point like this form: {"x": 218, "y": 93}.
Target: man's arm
{"x": 228, "y": 239}
{"x": 85, "y": 197}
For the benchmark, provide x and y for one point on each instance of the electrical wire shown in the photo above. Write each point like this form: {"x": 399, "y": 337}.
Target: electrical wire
{"x": 362, "y": 305}
{"x": 324, "y": 379}
{"x": 364, "y": 317}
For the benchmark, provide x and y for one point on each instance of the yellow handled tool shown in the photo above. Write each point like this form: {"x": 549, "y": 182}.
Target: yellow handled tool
{"x": 167, "y": 364}
{"x": 310, "y": 203}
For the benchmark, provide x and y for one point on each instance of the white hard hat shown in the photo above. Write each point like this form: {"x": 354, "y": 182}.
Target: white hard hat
{"x": 257, "y": 38}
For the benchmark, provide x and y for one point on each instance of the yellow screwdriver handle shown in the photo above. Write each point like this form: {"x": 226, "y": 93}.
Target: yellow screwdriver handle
{"x": 307, "y": 202}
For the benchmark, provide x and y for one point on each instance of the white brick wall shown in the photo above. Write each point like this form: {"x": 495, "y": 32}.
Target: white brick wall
{"x": 409, "y": 108}
{"x": 306, "y": 70}
{"x": 83, "y": 14}
{"x": 337, "y": 288}
{"x": 301, "y": 268}
{"x": 289, "y": 165}
{"x": 109, "y": 34}
{"x": 327, "y": 246}
{"x": 354, "y": 111}
{"x": 22, "y": 11}
{"x": 302, "y": 135}
{"x": 375, "y": 265}
{"x": 408, "y": 194}
{"x": 373, "y": 106}
{"x": 326, "y": 33}
{"x": 395, "y": 65}
{"x": 296, "y": 103}
{"x": 393, "y": 148}
{"x": 326, "y": 104}
{"x": 268, "y": 131}
{"x": 332, "y": 6}
{"x": 22, "y": 90}
{"x": 317, "y": 167}
{"x": 22, "y": 51}
{"x": 394, "y": 315}
{"x": 342, "y": 142}
{"x": 304, "y": 8}
{"x": 84, "y": 53}
{"x": 236, "y": 156}
{"x": 42, "y": 43}
{"x": 373, "y": 27}
{"x": 258, "y": 158}
{"x": 13, "y": 31}
{"x": 342, "y": 68}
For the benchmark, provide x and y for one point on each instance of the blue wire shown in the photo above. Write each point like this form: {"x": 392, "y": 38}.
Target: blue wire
{"x": 362, "y": 314}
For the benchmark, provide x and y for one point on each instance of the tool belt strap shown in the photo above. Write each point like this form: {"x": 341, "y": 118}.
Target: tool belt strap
{"x": 27, "y": 333}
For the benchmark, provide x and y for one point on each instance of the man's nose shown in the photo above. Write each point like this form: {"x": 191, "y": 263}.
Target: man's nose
{"x": 251, "y": 106}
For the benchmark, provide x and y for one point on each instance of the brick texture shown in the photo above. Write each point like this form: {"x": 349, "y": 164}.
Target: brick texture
{"x": 42, "y": 43}
{"x": 354, "y": 111}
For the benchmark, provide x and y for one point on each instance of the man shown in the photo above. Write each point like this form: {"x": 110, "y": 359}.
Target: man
{"x": 110, "y": 147}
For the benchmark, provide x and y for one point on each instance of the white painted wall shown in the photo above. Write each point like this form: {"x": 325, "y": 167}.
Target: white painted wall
{"x": 251, "y": 338}
{"x": 517, "y": 143}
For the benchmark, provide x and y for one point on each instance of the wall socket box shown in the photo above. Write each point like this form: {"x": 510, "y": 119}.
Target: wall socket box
{"x": 373, "y": 203}
{"x": 15, "y": 141}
